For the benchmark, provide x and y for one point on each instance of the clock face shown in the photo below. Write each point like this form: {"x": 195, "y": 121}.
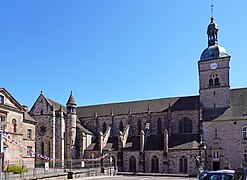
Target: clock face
{"x": 42, "y": 130}
{"x": 213, "y": 65}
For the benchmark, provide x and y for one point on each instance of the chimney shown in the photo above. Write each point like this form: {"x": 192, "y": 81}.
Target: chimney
{"x": 25, "y": 107}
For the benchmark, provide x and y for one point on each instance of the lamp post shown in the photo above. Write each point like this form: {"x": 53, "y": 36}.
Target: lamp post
{"x": 3, "y": 123}
{"x": 203, "y": 153}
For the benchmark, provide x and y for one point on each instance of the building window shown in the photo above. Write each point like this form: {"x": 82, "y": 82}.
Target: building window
{"x": 121, "y": 126}
{"x": 139, "y": 125}
{"x": 183, "y": 164}
{"x": 155, "y": 164}
{"x": 215, "y": 133}
{"x": 159, "y": 124}
{"x": 29, "y": 133}
{"x": 216, "y": 155}
{"x": 2, "y": 118}
{"x": 132, "y": 164}
{"x": 41, "y": 112}
{"x": 245, "y": 154}
{"x": 211, "y": 82}
{"x": 1, "y": 99}
{"x": 42, "y": 148}
{"x": 29, "y": 151}
{"x": 214, "y": 80}
{"x": 185, "y": 125}
{"x": 14, "y": 122}
{"x": 104, "y": 127}
{"x": 245, "y": 132}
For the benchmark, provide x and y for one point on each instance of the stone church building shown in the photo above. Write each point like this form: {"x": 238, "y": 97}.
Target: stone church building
{"x": 167, "y": 135}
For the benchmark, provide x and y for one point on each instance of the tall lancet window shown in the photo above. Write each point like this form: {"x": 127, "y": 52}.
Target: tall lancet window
{"x": 159, "y": 126}
{"x": 139, "y": 125}
{"x": 104, "y": 127}
{"x": 121, "y": 128}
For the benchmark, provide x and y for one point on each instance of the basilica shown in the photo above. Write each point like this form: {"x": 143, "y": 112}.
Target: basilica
{"x": 166, "y": 135}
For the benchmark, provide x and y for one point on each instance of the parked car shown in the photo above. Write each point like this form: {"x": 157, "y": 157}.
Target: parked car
{"x": 218, "y": 175}
{"x": 240, "y": 174}
{"x": 202, "y": 173}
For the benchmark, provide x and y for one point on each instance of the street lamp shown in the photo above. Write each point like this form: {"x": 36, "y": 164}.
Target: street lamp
{"x": 3, "y": 123}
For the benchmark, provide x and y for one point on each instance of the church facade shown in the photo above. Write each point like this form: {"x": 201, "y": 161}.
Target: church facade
{"x": 167, "y": 135}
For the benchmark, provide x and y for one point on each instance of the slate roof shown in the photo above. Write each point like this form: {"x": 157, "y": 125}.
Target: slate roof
{"x": 237, "y": 110}
{"x": 27, "y": 117}
{"x": 184, "y": 141}
{"x": 155, "y": 142}
{"x": 133, "y": 143}
{"x": 71, "y": 100}
{"x": 83, "y": 129}
{"x": 155, "y": 105}
{"x": 56, "y": 105}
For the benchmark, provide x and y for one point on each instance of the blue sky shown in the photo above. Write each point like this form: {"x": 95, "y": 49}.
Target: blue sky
{"x": 113, "y": 51}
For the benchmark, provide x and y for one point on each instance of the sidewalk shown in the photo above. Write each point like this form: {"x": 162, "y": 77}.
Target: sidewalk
{"x": 98, "y": 177}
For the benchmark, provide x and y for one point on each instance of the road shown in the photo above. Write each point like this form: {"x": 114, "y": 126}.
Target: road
{"x": 138, "y": 178}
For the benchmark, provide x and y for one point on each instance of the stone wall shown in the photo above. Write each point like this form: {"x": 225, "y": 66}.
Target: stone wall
{"x": 174, "y": 157}
{"x": 177, "y": 117}
{"x": 230, "y": 142}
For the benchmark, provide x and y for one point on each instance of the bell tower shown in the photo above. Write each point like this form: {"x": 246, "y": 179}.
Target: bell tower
{"x": 213, "y": 69}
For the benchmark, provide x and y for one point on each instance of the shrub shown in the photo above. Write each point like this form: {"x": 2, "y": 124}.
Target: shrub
{"x": 16, "y": 169}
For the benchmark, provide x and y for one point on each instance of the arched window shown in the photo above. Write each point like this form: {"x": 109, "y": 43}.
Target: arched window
{"x": 211, "y": 82}
{"x": 185, "y": 125}
{"x": 41, "y": 112}
{"x": 104, "y": 128}
{"x": 132, "y": 164}
{"x": 14, "y": 122}
{"x": 183, "y": 164}
{"x": 159, "y": 126}
{"x": 214, "y": 80}
{"x": 245, "y": 154}
{"x": 155, "y": 164}
{"x": 139, "y": 125}
{"x": 121, "y": 126}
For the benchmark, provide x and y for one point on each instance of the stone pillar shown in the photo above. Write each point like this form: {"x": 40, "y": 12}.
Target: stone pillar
{"x": 100, "y": 142}
{"x": 53, "y": 138}
{"x": 142, "y": 141}
{"x": 62, "y": 135}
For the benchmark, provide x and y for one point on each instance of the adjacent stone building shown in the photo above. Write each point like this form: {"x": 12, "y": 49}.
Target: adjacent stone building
{"x": 167, "y": 135}
{"x": 20, "y": 128}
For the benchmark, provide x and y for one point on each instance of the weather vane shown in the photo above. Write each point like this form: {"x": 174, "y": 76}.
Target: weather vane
{"x": 212, "y": 9}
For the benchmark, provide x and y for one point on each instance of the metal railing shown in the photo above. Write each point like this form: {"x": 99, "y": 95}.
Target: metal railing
{"x": 72, "y": 169}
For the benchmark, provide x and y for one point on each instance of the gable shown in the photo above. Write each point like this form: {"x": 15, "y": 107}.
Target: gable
{"x": 9, "y": 101}
{"x": 41, "y": 104}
